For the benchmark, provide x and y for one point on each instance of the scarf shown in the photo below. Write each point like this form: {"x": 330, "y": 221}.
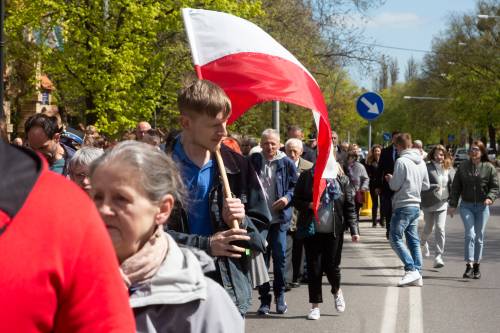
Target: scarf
{"x": 332, "y": 192}
{"x": 139, "y": 268}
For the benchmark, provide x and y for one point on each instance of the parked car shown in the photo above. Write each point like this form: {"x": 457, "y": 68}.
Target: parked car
{"x": 461, "y": 154}
{"x": 492, "y": 156}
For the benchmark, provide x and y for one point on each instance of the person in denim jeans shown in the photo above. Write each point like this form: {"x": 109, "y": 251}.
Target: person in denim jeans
{"x": 409, "y": 179}
{"x": 278, "y": 176}
{"x": 476, "y": 182}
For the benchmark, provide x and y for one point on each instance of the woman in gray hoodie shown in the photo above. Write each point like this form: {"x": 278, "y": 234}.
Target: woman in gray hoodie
{"x": 435, "y": 201}
{"x": 134, "y": 187}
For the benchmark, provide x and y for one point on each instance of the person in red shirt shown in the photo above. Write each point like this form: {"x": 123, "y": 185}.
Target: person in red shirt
{"x": 58, "y": 269}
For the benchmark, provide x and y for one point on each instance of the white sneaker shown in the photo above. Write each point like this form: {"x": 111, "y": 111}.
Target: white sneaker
{"x": 418, "y": 283}
{"x": 313, "y": 314}
{"x": 438, "y": 261}
{"x": 409, "y": 277}
{"x": 339, "y": 301}
{"x": 425, "y": 250}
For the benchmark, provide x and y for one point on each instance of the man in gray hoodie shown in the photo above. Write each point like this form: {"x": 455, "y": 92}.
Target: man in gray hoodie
{"x": 410, "y": 178}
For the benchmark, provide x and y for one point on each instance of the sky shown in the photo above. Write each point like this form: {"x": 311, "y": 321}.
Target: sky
{"x": 408, "y": 24}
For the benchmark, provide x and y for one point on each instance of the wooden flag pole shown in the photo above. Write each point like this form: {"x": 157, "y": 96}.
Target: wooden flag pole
{"x": 225, "y": 184}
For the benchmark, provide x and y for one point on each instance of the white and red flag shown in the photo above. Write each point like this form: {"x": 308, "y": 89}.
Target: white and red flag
{"x": 252, "y": 67}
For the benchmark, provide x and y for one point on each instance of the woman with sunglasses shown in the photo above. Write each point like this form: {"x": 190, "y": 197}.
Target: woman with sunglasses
{"x": 476, "y": 182}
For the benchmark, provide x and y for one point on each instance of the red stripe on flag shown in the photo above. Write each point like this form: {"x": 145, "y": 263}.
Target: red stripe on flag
{"x": 251, "y": 78}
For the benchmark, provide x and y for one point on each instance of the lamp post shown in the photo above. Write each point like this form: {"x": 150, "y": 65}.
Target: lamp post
{"x": 484, "y": 16}
{"x": 429, "y": 98}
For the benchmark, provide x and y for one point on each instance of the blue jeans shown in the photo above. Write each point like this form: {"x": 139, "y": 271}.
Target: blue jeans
{"x": 404, "y": 220}
{"x": 475, "y": 217}
{"x": 276, "y": 239}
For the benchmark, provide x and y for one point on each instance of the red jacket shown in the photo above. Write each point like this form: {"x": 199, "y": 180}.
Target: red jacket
{"x": 58, "y": 269}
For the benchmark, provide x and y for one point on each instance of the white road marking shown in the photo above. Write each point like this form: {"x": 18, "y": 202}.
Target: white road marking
{"x": 390, "y": 313}
{"x": 416, "y": 316}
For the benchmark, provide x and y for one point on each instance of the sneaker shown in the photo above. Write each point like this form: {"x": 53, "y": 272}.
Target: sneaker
{"x": 468, "y": 274}
{"x": 281, "y": 306}
{"x": 265, "y": 305}
{"x": 438, "y": 261}
{"x": 476, "y": 273}
{"x": 313, "y": 314}
{"x": 425, "y": 250}
{"x": 339, "y": 301}
{"x": 418, "y": 283}
{"x": 409, "y": 277}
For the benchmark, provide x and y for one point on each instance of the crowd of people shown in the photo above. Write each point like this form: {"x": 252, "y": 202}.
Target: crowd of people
{"x": 187, "y": 250}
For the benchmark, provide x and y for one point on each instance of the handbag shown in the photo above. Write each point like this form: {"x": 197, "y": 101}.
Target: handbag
{"x": 430, "y": 197}
{"x": 359, "y": 197}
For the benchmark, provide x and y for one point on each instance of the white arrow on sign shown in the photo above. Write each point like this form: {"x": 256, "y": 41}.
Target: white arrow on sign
{"x": 372, "y": 108}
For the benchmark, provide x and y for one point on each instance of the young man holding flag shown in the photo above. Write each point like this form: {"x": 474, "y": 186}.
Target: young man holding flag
{"x": 206, "y": 221}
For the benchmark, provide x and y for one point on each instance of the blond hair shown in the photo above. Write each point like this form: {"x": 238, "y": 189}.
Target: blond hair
{"x": 203, "y": 97}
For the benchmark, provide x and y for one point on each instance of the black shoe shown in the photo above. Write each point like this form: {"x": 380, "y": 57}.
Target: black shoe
{"x": 476, "y": 273}
{"x": 387, "y": 235}
{"x": 468, "y": 272}
{"x": 374, "y": 224}
{"x": 288, "y": 287}
{"x": 265, "y": 305}
{"x": 295, "y": 284}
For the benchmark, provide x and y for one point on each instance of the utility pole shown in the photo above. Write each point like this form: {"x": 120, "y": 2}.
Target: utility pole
{"x": 276, "y": 116}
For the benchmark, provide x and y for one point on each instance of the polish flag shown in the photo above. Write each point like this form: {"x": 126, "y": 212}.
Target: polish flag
{"x": 252, "y": 67}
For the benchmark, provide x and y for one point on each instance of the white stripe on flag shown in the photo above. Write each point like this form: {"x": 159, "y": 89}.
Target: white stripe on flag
{"x": 228, "y": 30}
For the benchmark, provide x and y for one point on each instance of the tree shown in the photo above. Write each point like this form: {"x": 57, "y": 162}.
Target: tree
{"x": 411, "y": 71}
{"x": 383, "y": 76}
{"x": 393, "y": 70}
{"x": 115, "y": 67}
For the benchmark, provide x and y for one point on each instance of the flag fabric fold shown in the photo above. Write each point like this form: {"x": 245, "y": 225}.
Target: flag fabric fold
{"x": 252, "y": 67}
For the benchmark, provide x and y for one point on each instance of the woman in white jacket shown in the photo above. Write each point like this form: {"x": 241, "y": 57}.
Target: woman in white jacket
{"x": 134, "y": 187}
{"x": 435, "y": 202}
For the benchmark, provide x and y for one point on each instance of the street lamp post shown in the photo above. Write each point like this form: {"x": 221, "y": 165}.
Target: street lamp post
{"x": 484, "y": 16}
{"x": 429, "y": 98}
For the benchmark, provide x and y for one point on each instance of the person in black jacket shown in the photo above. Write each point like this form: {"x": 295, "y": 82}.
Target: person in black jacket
{"x": 372, "y": 168}
{"x": 323, "y": 239}
{"x": 386, "y": 166}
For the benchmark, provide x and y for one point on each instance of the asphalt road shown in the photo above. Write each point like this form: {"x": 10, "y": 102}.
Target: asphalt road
{"x": 370, "y": 272}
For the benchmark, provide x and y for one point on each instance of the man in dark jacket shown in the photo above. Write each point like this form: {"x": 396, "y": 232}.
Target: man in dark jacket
{"x": 388, "y": 157}
{"x": 206, "y": 221}
{"x": 278, "y": 176}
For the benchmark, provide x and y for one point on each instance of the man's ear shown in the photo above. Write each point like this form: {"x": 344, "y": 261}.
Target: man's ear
{"x": 57, "y": 137}
{"x": 166, "y": 206}
{"x": 185, "y": 121}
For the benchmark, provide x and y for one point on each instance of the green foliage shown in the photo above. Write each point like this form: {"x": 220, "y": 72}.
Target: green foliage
{"x": 116, "y": 67}
{"x": 463, "y": 69}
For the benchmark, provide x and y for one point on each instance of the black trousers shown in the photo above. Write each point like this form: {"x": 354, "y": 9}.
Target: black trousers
{"x": 323, "y": 254}
{"x": 375, "y": 199}
{"x": 294, "y": 257}
{"x": 386, "y": 209}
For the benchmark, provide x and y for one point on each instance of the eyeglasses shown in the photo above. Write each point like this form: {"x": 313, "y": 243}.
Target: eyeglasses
{"x": 474, "y": 149}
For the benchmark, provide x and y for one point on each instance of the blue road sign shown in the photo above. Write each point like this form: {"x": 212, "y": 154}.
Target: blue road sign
{"x": 387, "y": 136}
{"x": 370, "y": 105}
{"x": 451, "y": 137}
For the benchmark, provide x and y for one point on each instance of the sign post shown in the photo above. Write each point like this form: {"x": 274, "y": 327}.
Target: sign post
{"x": 370, "y": 106}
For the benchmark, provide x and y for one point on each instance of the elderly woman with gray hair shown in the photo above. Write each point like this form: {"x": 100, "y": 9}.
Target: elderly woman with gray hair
{"x": 135, "y": 187}
{"x": 79, "y": 166}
